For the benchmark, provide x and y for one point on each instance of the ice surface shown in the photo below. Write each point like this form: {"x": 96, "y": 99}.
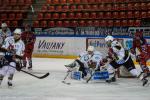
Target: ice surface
{"x": 51, "y": 88}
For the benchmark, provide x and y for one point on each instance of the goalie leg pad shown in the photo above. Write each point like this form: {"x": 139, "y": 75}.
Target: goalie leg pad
{"x": 76, "y": 75}
{"x": 98, "y": 75}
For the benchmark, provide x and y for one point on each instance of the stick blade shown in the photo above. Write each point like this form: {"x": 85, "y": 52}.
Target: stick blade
{"x": 44, "y": 76}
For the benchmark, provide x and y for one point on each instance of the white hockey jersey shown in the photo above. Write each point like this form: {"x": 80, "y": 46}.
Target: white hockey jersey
{"x": 85, "y": 57}
{"x": 119, "y": 52}
{"x": 18, "y": 46}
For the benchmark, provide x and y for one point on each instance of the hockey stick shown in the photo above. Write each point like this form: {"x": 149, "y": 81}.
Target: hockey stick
{"x": 39, "y": 77}
{"x": 90, "y": 77}
{"x": 68, "y": 72}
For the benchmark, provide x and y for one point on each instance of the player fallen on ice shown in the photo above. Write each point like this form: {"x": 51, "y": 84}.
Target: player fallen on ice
{"x": 88, "y": 62}
{"x": 141, "y": 50}
{"x": 8, "y": 64}
{"x": 121, "y": 57}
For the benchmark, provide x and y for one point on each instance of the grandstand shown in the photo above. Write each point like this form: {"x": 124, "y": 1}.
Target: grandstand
{"x": 75, "y": 13}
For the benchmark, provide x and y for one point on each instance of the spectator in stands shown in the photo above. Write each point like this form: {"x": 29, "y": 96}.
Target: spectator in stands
{"x": 4, "y": 32}
{"x": 28, "y": 38}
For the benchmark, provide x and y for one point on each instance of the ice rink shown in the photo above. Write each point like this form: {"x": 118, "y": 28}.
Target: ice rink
{"x": 51, "y": 88}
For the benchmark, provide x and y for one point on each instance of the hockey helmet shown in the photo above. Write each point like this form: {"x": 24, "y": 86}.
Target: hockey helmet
{"x": 17, "y": 31}
{"x": 3, "y": 25}
{"x": 90, "y": 48}
{"x": 109, "y": 38}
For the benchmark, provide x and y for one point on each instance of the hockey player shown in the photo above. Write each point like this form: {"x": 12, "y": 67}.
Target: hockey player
{"x": 121, "y": 57}
{"x": 87, "y": 61}
{"x": 28, "y": 38}
{"x": 4, "y": 32}
{"x": 13, "y": 46}
{"x": 141, "y": 51}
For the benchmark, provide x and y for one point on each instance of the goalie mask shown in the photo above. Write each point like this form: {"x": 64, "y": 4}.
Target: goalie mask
{"x": 109, "y": 40}
{"x": 90, "y": 50}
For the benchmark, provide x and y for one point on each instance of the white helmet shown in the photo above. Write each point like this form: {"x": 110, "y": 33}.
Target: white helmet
{"x": 3, "y": 25}
{"x": 17, "y": 31}
{"x": 109, "y": 38}
{"x": 90, "y": 48}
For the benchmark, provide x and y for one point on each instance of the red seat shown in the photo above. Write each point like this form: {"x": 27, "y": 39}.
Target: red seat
{"x": 43, "y": 24}
{"x": 40, "y": 16}
{"x": 101, "y": 7}
{"x": 58, "y": 8}
{"x": 148, "y": 5}
{"x": 148, "y": 14}
{"x": 71, "y": 15}
{"x": 66, "y": 7}
{"x": 137, "y": 14}
{"x": 55, "y": 15}
{"x": 63, "y": 1}
{"x": 21, "y": 2}
{"x": 122, "y": 6}
{"x": 137, "y": 6}
{"x": 78, "y": 15}
{"x": 15, "y": 8}
{"x": 55, "y": 1}
{"x": 108, "y": 15}
{"x": 63, "y": 15}
{"x": 13, "y": 2}
{"x": 36, "y": 24}
{"x": 28, "y": 2}
{"x": 109, "y": 7}
{"x": 82, "y": 23}
{"x": 103, "y": 23}
{"x": 117, "y": 23}
{"x": 51, "y": 8}
{"x": 143, "y": 14}
{"x": 3, "y": 16}
{"x": 115, "y": 15}
{"x": 88, "y": 7}
{"x": 116, "y": 7}
{"x": 44, "y": 8}
{"x": 74, "y": 24}
{"x": 77, "y": 1}
{"x": 100, "y": 15}
{"x": 130, "y": 22}
{"x": 122, "y": 15}
{"x": 19, "y": 16}
{"x": 89, "y": 23}
{"x": 73, "y": 7}
{"x": 80, "y": 7}
{"x": 110, "y": 23}
{"x": 130, "y": 14}
{"x": 47, "y": 16}
{"x": 86, "y": 15}
{"x": 84, "y": 1}
{"x": 48, "y": 1}
{"x": 91, "y": 1}
{"x": 137, "y": 23}
{"x": 130, "y": 6}
{"x": 8, "y": 23}
{"x": 51, "y": 24}
{"x": 95, "y": 7}
{"x": 124, "y": 23}
{"x": 143, "y": 6}
{"x": 96, "y": 23}
{"x": 59, "y": 24}
{"x": 93, "y": 15}
{"x": 14, "y": 23}
{"x": 66, "y": 24}
{"x": 11, "y": 16}
{"x": 70, "y": 1}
